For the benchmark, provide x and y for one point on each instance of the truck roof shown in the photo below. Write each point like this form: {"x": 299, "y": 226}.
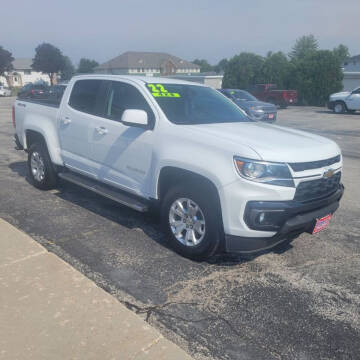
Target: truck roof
{"x": 138, "y": 79}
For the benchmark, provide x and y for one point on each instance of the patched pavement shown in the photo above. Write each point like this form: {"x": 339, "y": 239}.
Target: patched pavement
{"x": 301, "y": 302}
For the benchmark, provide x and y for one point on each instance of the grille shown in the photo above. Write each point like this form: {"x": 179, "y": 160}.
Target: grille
{"x": 269, "y": 109}
{"x": 314, "y": 164}
{"x": 314, "y": 189}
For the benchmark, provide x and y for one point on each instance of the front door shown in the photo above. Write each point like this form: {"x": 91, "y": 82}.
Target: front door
{"x": 122, "y": 153}
{"x": 353, "y": 102}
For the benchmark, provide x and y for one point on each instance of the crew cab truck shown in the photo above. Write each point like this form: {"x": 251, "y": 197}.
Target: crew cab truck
{"x": 221, "y": 180}
{"x": 270, "y": 93}
{"x": 346, "y": 101}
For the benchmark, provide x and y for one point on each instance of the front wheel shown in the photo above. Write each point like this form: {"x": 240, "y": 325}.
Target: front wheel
{"x": 41, "y": 170}
{"x": 339, "y": 107}
{"x": 191, "y": 219}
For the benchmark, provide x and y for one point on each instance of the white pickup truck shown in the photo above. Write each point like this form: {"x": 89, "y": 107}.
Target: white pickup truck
{"x": 221, "y": 181}
{"x": 345, "y": 101}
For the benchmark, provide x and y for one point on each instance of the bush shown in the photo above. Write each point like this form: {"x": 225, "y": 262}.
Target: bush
{"x": 316, "y": 76}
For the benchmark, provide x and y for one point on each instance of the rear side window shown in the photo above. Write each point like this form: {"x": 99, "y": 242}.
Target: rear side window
{"x": 86, "y": 96}
{"x": 123, "y": 96}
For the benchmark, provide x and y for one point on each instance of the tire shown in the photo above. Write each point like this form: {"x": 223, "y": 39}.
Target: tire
{"x": 41, "y": 171}
{"x": 207, "y": 229}
{"x": 339, "y": 107}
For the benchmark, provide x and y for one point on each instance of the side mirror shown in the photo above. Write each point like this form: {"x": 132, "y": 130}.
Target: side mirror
{"x": 134, "y": 117}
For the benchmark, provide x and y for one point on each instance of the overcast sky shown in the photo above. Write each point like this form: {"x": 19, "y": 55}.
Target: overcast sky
{"x": 210, "y": 29}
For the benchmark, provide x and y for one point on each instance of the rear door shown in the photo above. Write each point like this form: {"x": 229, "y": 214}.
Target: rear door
{"x": 85, "y": 104}
{"x": 123, "y": 153}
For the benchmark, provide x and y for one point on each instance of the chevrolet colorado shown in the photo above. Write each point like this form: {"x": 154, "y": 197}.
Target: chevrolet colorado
{"x": 222, "y": 181}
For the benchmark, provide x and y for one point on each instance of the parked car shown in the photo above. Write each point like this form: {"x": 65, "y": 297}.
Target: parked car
{"x": 33, "y": 91}
{"x": 345, "y": 101}
{"x": 259, "y": 110}
{"x": 269, "y": 93}
{"x": 56, "y": 92}
{"x": 221, "y": 180}
{"x": 4, "y": 91}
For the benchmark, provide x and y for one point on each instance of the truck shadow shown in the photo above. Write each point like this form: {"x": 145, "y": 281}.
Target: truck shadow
{"x": 149, "y": 222}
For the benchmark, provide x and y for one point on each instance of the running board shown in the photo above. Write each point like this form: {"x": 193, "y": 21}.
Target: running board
{"x": 105, "y": 190}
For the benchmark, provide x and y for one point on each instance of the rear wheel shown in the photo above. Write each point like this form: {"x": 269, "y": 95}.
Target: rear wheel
{"x": 41, "y": 170}
{"x": 191, "y": 218}
{"x": 339, "y": 107}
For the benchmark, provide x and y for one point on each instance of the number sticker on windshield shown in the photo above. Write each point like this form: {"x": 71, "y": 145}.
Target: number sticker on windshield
{"x": 158, "y": 90}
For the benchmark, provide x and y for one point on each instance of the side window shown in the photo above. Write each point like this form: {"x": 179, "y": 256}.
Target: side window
{"x": 123, "y": 96}
{"x": 85, "y": 96}
{"x": 357, "y": 91}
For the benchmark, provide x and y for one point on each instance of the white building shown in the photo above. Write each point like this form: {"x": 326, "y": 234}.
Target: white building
{"x": 147, "y": 63}
{"x": 210, "y": 79}
{"x": 23, "y": 74}
{"x": 351, "y": 80}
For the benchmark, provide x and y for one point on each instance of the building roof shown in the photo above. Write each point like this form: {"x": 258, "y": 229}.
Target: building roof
{"x": 355, "y": 58}
{"x": 148, "y": 60}
{"x": 22, "y": 64}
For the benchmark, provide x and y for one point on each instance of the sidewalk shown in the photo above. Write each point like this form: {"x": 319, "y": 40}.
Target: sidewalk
{"x": 49, "y": 310}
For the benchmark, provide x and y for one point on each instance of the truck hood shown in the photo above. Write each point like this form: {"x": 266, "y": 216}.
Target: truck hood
{"x": 271, "y": 142}
{"x": 340, "y": 95}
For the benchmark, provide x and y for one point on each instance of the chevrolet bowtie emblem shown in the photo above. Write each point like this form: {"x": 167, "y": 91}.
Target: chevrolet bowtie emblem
{"x": 328, "y": 173}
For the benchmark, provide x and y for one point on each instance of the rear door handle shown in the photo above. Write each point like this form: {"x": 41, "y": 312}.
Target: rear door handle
{"x": 66, "y": 120}
{"x": 101, "y": 130}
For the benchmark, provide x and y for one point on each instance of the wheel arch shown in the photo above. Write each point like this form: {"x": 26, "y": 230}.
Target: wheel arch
{"x": 171, "y": 176}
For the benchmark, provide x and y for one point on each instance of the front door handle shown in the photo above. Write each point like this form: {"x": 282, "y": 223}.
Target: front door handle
{"x": 101, "y": 130}
{"x": 66, "y": 120}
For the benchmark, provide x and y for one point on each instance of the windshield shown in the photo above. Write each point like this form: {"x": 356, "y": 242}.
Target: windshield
{"x": 242, "y": 95}
{"x": 192, "y": 104}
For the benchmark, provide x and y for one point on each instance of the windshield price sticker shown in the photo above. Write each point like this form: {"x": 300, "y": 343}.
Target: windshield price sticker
{"x": 158, "y": 90}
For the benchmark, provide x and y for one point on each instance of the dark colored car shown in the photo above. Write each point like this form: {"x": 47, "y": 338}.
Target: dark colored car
{"x": 256, "y": 109}
{"x": 33, "y": 91}
{"x": 270, "y": 93}
{"x": 56, "y": 92}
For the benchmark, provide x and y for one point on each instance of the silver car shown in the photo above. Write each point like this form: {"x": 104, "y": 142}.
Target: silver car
{"x": 4, "y": 91}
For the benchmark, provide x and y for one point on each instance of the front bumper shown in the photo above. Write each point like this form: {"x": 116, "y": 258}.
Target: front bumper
{"x": 297, "y": 217}
{"x": 269, "y": 117}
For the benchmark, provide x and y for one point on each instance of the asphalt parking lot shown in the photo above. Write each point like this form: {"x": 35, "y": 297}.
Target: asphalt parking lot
{"x": 300, "y": 302}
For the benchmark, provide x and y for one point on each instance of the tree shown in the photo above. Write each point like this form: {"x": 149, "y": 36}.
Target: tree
{"x": 316, "y": 76}
{"x": 87, "y": 66}
{"x": 276, "y": 69}
{"x": 6, "y": 60}
{"x": 204, "y": 65}
{"x": 221, "y": 66}
{"x": 68, "y": 70}
{"x": 49, "y": 60}
{"x": 243, "y": 70}
{"x": 341, "y": 52}
{"x": 304, "y": 46}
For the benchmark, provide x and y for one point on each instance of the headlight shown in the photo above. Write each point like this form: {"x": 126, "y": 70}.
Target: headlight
{"x": 257, "y": 111}
{"x": 264, "y": 172}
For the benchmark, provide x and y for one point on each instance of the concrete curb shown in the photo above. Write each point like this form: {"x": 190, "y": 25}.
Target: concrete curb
{"x": 49, "y": 310}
